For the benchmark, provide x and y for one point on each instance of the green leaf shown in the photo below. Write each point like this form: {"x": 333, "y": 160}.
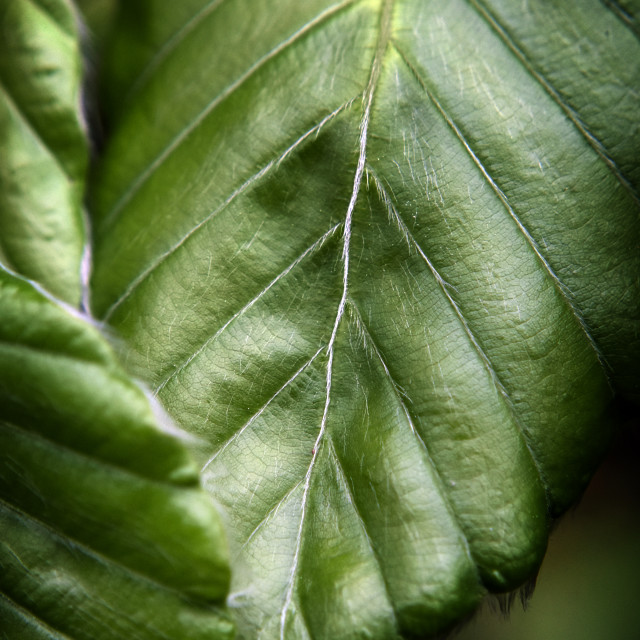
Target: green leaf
{"x": 105, "y": 530}
{"x": 99, "y": 16}
{"x": 382, "y": 258}
{"x": 44, "y": 150}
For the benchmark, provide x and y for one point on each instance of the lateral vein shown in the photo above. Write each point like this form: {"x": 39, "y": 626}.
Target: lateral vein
{"x": 140, "y": 180}
{"x": 368, "y": 339}
{"x": 256, "y": 177}
{"x": 309, "y": 251}
{"x": 170, "y": 45}
{"x": 35, "y": 133}
{"x": 108, "y": 562}
{"x": 31, "y": 617}
{"x": 445, "y": 286}
{"x": 569, "y": 111}
{"x": 342, "y": 477}
{"x": 263, "y": 408}
{"x": 531, "y": 241}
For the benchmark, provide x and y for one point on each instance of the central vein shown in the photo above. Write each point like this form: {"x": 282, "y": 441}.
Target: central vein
{"x": 383, "y": 39}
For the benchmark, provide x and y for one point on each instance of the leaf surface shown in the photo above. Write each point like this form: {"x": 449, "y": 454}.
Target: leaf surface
{"x": 44, "y": 148}
{"x": 382, "y": 257}
{"x": 106, "y": 533}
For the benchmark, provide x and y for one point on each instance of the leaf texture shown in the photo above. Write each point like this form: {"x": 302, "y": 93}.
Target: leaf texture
{"x": 382, "y": 258}
{"x": 105, "y": 530}
{"x": 44, "y": 148}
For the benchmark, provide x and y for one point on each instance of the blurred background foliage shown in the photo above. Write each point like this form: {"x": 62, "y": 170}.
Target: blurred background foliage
{"x": 589, "y": 584}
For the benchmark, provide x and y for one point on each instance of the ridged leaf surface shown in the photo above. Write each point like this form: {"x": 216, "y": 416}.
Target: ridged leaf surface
{"x": 44, "y": 150}
{"x": 382, "y": 258}
{"x": 106, "y": 533}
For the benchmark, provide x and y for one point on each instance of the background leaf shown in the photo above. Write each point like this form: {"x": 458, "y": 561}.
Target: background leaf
{"x": 105, "y": 531}
{"x": 382, "y": 257}
{"x": 44, "y": 150}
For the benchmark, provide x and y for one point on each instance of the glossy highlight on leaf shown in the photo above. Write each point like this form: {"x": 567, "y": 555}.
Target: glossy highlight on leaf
{"x": 381, "y": 258}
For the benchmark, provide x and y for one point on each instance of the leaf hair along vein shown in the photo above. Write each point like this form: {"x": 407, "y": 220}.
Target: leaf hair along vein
{"x": 383, "y": 40}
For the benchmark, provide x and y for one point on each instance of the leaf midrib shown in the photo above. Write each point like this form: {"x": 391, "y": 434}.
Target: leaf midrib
{"x": 384, "y": 37}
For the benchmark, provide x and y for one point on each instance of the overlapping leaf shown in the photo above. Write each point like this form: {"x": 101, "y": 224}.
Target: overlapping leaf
{"x": 44, "y": 148}
{"x": 105, "y": 530}
{"x": 382, "y": 257}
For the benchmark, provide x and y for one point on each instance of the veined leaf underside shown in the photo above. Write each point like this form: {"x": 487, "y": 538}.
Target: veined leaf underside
{"x": 454, "y": 292}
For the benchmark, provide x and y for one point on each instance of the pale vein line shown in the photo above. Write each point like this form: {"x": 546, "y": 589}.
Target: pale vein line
{"x": 237, "y": 192}
{"x": 350, "y": 497}
{"x": 50, "y": 15}
{"x": 570, "y": 112}
{"x": 31, "y": 127}
{"x": 45, "y": 441}
{"x": 368, "y": 339}
{"x": 65, "y": 306}
{"x": 135, "y": 186}
{"x": 109, "y": 562}
{"x": 170, "y": 45}
{"x": 11, "y": 346}
{"x": 85, "y": 261}
{"x": 271, "y": 512}
{"x": 445, "y": 286}
{"x": 560, "y": 287}
{"x": 32, "y": 617}
{"x": 46, "y": 11}
{"x": 385, "y": 27}
{"x": 262, "y": 409}
{"x": 86, "y": 266}
{"x": 310, "y": 250}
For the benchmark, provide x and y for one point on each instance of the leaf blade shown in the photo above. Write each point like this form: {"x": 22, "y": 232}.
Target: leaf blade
{"x": 393, "y": 301}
